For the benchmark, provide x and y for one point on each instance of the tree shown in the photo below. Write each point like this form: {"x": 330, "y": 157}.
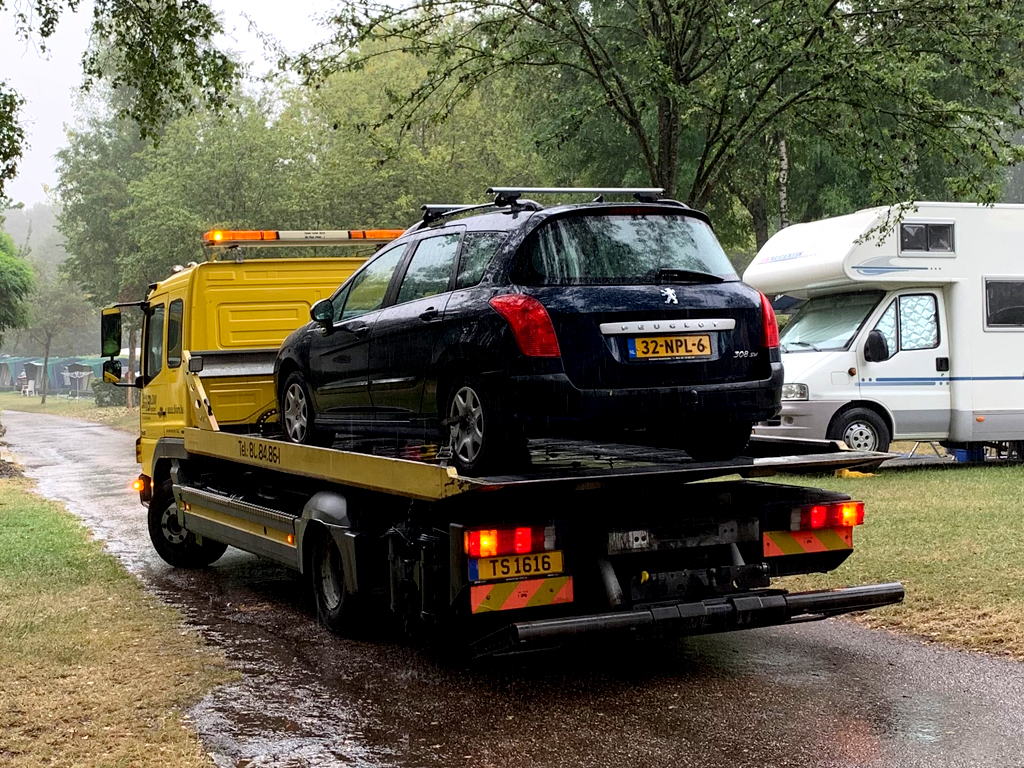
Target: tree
{"x": 15, "y": 286}
{"x": 699, "y": 86}
{"x": 159, "y": 54}
{"x": 57, "y": 308}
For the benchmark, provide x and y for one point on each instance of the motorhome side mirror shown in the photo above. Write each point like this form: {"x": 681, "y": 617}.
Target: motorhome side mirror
{"x": 323, "y": 313}
{"x": 110, "y": 333}
{"x": 112, "y": 371}
{"x": 876, "y": 348}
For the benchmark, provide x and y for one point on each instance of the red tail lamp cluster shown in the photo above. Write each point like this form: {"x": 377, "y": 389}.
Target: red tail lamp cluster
{"x": 838, "y": 514}
{"x": 531, "y": 324}
{"x": 499, "y": 542}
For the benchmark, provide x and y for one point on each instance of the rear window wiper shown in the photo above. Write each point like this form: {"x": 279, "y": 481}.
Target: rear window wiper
{"x": 685, "y": 276}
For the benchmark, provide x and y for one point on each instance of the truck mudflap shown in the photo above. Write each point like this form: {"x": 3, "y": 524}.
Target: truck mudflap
{"x": 723, "y": 614}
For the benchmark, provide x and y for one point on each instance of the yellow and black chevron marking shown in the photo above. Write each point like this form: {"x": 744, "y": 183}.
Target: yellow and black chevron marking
{"x": 777, "y": 543}
{"x": 520, "y": 594}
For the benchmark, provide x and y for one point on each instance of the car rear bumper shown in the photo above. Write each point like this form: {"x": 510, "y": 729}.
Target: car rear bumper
{"x": 552, "y": 398}
{"x": 723, "y": 614}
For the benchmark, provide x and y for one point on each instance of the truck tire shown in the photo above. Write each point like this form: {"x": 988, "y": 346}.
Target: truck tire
{"x": 861, "y": 429}
{"x": 177, "y": 546}
{"x": 717, "y": 442}
{"x": 297, "y": 414}
{"x": 334, "y": 604}
{"x": 481, "y": 433}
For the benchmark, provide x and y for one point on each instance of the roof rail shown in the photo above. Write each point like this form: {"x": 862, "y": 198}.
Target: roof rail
{"x": 509, "y": 195}
{"x": 436, "y": 211}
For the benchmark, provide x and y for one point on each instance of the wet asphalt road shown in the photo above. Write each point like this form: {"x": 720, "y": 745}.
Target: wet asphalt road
{"x": 822, "y": 694}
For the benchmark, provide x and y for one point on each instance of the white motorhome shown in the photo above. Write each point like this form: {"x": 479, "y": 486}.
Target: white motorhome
{"x": 913, "y": 331}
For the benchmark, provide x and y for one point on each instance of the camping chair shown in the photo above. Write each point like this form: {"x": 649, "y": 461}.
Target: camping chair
{"x": 30, "y": 388}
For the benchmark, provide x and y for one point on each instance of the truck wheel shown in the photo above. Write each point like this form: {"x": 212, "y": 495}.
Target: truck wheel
{"x": 717, "y": 442}
{"x": 861, "y": 429}
{"x": 297, "y": 414}
{"x": 480, "y": 433}
{"x": 333, "y": 601}
{"x": 177, "y": 546}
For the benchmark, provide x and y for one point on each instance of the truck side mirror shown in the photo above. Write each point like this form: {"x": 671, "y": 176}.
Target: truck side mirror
{"x": 112, "y": 371}
{"x": 110, "y": 334}
{"x": 323, "y": 313}
{"x": 876, "y": 348}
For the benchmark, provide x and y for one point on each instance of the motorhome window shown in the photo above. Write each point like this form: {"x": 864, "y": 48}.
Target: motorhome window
{"x": 1004, "y": 303}
{"x": 175, "y": 313}
{"x": 887, "y": 327}
{"x": 827, "y": 323}
{"x": 919, "y": 322}
{"x": 926, "y": 238}
{"x": 155, "y": 342}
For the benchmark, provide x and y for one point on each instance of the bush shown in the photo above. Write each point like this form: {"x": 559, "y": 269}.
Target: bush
{"x": 108, "y": 395}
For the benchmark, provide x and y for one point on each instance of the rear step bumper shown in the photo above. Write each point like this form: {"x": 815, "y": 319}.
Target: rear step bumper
{"x": 714, "y": 615}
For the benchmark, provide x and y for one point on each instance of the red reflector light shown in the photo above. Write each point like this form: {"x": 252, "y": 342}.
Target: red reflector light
{"x": 531, "y": 324}
{"x": 509, "y": 541}
{"x": 836, "y": 514}
{"x": 771, "y": 325}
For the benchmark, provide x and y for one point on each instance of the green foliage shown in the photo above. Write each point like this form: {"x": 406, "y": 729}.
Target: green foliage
{"x": 15, "y": 286}
{"x": 107, "y": 395}
{"x": 158, "y": 55}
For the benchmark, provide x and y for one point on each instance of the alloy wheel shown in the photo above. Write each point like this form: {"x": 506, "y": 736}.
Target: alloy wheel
{"x": 467, "y": 433}
{"x": 860, "y": 436}
{"x": 296, "y": 412}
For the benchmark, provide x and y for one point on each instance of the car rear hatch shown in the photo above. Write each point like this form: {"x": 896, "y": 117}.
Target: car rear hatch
{"x": 642, "y": 299}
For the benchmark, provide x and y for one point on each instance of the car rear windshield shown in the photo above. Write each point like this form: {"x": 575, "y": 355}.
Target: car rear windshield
{"x": 616, "y": 249}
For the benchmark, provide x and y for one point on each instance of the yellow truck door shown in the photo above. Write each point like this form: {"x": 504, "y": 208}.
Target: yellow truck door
{"x": 162, "y": 412}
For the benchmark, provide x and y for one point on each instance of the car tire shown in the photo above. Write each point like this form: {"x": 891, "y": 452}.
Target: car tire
{"x": 297, "y": 415}
{"x": 861, "y": 429}
{"x": 176, "y": 545}
{"x": 482, "y": 435}
{"x": 717, "y": 442}
{"x": 334, "y": 603}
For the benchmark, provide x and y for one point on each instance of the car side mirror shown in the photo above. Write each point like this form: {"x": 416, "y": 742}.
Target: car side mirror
{"x": 112, "y": 371}
{"x": 323, "y": 313}
{"x": 876, "y": 348}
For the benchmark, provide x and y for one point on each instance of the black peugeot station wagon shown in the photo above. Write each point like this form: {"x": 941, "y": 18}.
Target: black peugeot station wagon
{"x": 482, "y": 326}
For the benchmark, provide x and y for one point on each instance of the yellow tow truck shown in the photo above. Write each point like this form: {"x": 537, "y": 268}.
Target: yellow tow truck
{"x": 589, "y": 538}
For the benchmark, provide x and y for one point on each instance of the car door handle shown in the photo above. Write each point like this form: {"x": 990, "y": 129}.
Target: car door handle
{"x": 429, "y": 315}
{"x": 361, "y": 331}
{"x": 942, "y": 364}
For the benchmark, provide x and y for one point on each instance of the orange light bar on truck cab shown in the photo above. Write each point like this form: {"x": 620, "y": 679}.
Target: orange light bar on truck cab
{"x": 226, "y": 238}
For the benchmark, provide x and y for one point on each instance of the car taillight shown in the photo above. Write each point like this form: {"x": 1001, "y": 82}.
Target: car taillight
{"x": 531, "y": 324}
{"x": 771, "y": 325}
{"x": 837, "y": 514}
{"x": 498, "y": 542}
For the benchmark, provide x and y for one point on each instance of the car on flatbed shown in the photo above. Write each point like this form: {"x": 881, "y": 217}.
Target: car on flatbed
{"x": 484, "y": 325}
{"x": 591, "y": 538}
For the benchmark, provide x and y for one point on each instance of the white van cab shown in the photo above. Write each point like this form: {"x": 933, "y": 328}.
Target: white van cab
{"x": 913, "y": 331}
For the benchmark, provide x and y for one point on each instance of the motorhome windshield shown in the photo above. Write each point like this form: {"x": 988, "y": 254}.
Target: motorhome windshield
{"x": 827, "y": 323}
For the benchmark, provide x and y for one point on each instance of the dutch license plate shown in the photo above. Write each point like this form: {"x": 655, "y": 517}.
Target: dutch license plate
{"x": 669, "y": 346}
{"x": 539, "y": 564}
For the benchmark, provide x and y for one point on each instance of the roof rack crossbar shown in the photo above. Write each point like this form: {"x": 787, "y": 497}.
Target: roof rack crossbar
{"x": 508, "y": 195}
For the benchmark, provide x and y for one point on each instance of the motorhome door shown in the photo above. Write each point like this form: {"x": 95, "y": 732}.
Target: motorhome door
{"x": 913, "y": 383}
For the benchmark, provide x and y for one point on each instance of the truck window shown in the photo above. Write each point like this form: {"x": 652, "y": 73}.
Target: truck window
{"x": 154, "y": 342}
{"x": 919, "y": 322}
{"x": 430, "y": 270}
{"x": 369, "y": 287}
{"x": 175, "y": 313}
{"x": 477, "y": 250}
{"x": 1004, "y": 303}
{"x": 887, "y": 327}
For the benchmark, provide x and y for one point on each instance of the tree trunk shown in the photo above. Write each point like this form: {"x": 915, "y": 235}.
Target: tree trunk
{"x": 758, "y": 208}
{"x": 131, "y": 369}
{"x": 783, "y": 182}
{"x": 46, "y": 365}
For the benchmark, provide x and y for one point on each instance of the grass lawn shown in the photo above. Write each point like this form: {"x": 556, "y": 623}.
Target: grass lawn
{"x": 953, "y": 537}
{"x": 84, "y": 408}
{"x": 95, "y": 669}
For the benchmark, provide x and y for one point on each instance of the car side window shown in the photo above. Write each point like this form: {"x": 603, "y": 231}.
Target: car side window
{"x": 919, "y": 322}
{"x": 338, "y": 303}
{"x": 367, "y": 290}
{"x": 887, "y": 327}
{"x": 155, "y": 342}
{"x": 430, "y": 269}
{"x": 477, "y": 250}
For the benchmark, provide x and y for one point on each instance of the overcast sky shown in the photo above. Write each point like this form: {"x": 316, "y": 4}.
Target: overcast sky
{"x": 49, "y": 84}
